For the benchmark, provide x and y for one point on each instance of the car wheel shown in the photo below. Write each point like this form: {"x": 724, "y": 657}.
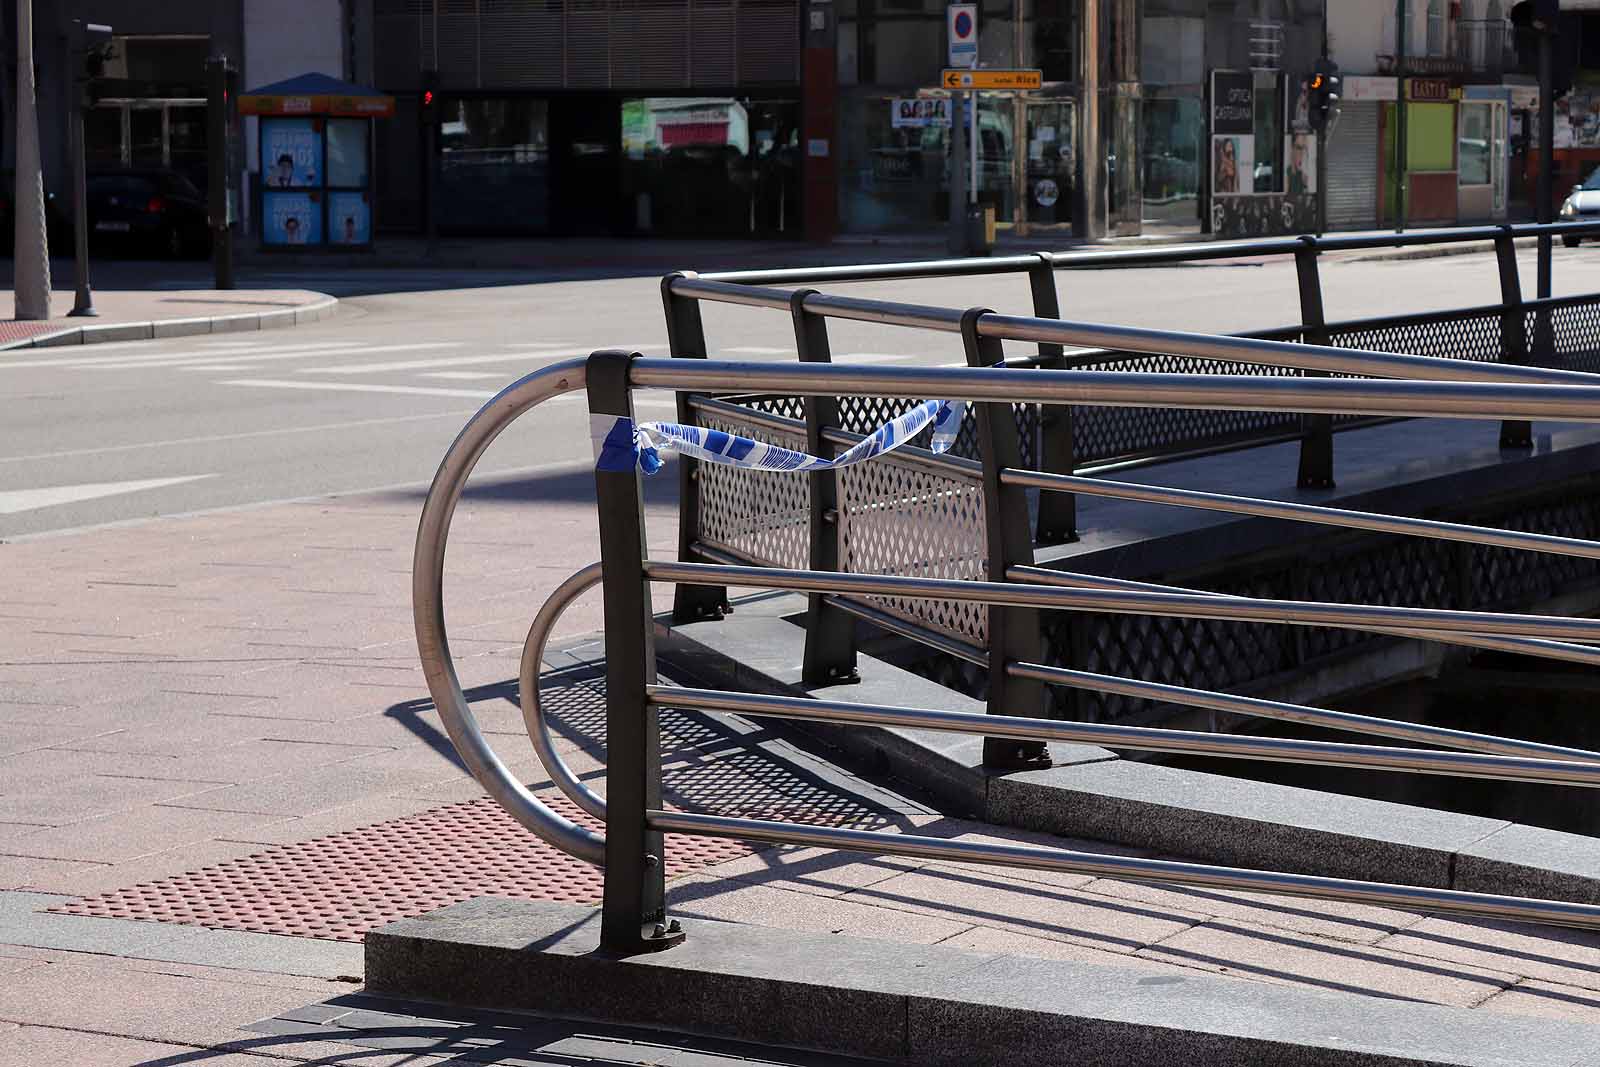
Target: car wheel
{"x": 1571, "y": 242}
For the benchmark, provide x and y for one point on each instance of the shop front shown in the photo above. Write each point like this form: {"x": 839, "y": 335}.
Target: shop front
{"x": 1263, "y": 155}
{"x": 1429, "y": 173}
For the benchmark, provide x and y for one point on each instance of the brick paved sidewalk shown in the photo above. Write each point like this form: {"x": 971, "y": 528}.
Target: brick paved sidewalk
{"x": 182, "y": 695}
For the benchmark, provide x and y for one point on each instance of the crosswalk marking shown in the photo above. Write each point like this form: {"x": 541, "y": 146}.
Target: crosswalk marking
{"x": 358, "y": 387}
{"x": 271, "y": 356}
{"x": 156, "y": 358}
{"x": 16, "y": 500}
{"x": 464, "y": 375}
{"x": 451, "y": 361}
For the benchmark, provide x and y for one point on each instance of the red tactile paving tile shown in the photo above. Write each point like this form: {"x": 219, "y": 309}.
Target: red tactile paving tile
{"x": 12, "y": 331}
{"x": 340, "y": 886}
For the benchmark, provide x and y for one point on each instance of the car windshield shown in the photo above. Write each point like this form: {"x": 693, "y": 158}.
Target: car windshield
{"x": 119, "y": 185}
{"x": 1593, "y": 182}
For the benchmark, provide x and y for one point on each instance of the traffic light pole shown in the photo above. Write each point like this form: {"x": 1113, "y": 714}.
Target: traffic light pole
{"x": 83, "y": 297}
{"x": 219, "y": 130}
{"x": 1547, "y": 122}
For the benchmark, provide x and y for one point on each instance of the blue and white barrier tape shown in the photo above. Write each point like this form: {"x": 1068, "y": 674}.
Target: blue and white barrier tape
{"x": 620, "y": 444}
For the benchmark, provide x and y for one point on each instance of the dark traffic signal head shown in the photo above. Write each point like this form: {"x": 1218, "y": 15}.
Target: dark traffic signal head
{"x": 430, "y": 93}
{"x": 94, "y": 48}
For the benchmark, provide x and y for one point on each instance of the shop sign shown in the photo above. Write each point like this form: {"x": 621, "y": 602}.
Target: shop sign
{"x": 1432, "y": 90}
{"x": 992, "y": 79}
{"x": 1232, "y": 102}
{"x": 919, "y": 112}
{"x": 1359, "y": 87}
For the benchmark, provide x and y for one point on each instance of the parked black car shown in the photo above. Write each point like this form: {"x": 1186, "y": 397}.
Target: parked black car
{"x": 57, "y": 218}
{"x": 148, "y": 210}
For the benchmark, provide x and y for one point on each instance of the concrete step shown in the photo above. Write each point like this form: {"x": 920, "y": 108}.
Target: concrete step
{"x": 928, "y": 1005}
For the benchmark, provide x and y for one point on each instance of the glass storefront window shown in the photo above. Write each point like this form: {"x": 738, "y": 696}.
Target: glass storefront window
{"x": 696, "y": 166}
{"x": 495, "y": 165}
{"x": 1170, "y": 132}
{"x": 1473, "y": 144}
{"x": 890, "y": 178}
{"x": 1268, "y": 133}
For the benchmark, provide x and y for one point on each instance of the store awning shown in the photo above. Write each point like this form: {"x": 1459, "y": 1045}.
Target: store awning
{"x": 316, "y": 94}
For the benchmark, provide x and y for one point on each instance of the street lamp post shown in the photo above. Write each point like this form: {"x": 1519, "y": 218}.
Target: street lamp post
{"x": 30, "y": 243}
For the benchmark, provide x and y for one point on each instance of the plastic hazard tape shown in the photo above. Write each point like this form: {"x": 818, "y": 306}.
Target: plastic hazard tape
{"x": 620, "y": 444}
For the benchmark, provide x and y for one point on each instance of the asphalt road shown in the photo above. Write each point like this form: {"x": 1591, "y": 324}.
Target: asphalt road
{"x": 371, "y": 397}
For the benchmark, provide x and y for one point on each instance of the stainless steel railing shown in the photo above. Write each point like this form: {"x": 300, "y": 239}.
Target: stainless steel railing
{"x": 634, "y": 917}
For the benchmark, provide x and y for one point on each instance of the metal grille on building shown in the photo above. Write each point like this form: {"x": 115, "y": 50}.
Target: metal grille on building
{"x": 1353, "y": 167}
{"x": 587, "y": 44}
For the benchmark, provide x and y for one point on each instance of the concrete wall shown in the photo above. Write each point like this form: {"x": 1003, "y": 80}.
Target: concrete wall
{"x": 284, "y": 38}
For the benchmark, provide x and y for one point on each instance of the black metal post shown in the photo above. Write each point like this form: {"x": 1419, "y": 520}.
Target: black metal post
{"x": 1316, "y": 440}
{"x": 633, "y": 916}
{"x": 1402, "y": 34}
{"x": 1514, "y": 433}
{"x": 830, "y": 656}
{"x": 1013, "y": 632}
{"x": 219, "y": 129}
{"x": 1058, "y": 512}
{"x": 1547, "y": 162}
{"x": 686, "y": 339}
{"x": 83, "y": 297}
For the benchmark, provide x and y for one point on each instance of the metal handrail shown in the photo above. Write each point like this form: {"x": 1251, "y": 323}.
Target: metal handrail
{"x": 1524, "y": 646}
{"x": 1424, "y": 399}
{"x": 1227, "y": 348}
{"x": 1158, "y": 256}
{"x": 1468, "y": 754}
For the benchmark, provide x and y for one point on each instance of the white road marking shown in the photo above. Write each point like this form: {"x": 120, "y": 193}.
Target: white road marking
{"x": 464, "y": 375}
{"x": 756, "y": 350}
{"x": 357, "y": 387}
{"x": 213, "y": 368}
{"x": 275, "y": 356}
{"x": 156, "y": 358}
{"x": 15, "y": 500}
{"x": 216, "y": 437}
{"x": 455, "y": 361}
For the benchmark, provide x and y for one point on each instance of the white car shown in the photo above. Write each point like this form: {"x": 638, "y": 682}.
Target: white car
{"x": 1583, "y": 203}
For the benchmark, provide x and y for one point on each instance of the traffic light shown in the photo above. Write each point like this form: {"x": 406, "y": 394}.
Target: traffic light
{"x": 1536, "y": 15}
{"x": 1324, "y": 94}
{"x": 430, "y": 95}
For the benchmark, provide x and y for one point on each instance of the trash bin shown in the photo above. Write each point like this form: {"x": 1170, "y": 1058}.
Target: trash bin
{"x": 980, "y": 229}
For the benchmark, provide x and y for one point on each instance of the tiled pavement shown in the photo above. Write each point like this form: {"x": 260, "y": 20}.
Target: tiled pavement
{"x": 185, "y": 693}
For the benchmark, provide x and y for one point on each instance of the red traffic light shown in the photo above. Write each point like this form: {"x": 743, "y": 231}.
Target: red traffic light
{"x": 427, "y": 98}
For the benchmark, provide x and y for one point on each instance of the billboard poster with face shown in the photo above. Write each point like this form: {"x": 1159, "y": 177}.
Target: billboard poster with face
{"x": 291, "y": 153}
{"x": 291, "y": 218}
{"x": 349, "y": 219}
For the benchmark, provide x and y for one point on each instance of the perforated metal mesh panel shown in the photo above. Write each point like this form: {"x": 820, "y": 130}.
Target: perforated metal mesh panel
{"x": 1574, "y": 333}
{"x": 1101, "y": 433}
{"x": 1471, "y": 335}
{"x": 760, "y": 515}
{"x": 895, "y": 518}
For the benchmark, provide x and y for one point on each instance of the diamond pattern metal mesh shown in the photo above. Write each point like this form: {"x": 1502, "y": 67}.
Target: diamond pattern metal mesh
{"x": 1471, "y": 335}
{"x": 895, "y": 518}
{"x": 1573, "y": 328}
{"x": 1101, "y": 434}
{"x": 763, "y": 516}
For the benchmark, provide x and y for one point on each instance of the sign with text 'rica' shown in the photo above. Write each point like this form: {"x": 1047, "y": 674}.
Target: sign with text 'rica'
{"x": 992, "y": 79}
{"x": 961, "y": 24}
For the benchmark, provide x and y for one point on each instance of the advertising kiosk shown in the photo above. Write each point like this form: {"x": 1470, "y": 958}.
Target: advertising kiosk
{"x": 316, "y": 181}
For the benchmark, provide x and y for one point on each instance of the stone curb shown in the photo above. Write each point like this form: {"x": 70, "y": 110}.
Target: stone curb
{"x": 92, "y": 333}
{"x": 928, "y": 1005}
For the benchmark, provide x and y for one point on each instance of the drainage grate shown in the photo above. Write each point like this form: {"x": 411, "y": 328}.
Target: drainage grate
{"x": 340, "y": 886}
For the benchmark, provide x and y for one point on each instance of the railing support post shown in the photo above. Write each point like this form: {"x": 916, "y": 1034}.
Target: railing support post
{"x": 686, "y": 339}
{"x": 830, "y": 656}
{"x": 1514, "y": 433}
{"x": 1316, "y": 441}
{"x": 633, "y": 915}
{"x": 1058, "y": 512}
{"x": 1013, "y": 632}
